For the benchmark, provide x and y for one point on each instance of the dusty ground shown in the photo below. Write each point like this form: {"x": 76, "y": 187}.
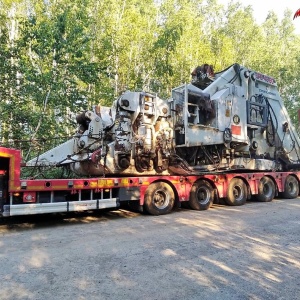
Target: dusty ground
{"x": 248, "y": 252}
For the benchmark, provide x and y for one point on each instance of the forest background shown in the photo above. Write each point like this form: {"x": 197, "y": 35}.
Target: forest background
{"x": 60, "y": 57}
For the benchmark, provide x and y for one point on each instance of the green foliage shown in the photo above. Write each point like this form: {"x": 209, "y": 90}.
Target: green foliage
{"x": 47, "y": 172}
{"x": 60, "y": 57}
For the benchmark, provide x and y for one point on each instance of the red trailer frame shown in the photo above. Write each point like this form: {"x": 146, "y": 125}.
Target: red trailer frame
{"x": 35, "y": 196}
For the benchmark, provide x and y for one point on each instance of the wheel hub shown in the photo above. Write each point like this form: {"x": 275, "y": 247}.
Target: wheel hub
{"x": 203, "y": 195}
{"x": 161, "y": 199}
{"x": 238, "y": 192}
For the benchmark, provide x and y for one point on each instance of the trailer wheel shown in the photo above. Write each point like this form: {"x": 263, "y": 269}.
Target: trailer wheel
{"x": 237, "y": 192}
{"x": 291, "y": 188}
{"x": 201, "y": 196}
{"x": 159, "y": 198}
{"x": 266, "y": 190}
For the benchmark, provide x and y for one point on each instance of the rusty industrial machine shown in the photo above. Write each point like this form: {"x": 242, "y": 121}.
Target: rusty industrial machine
{"x": 234, "y": 119}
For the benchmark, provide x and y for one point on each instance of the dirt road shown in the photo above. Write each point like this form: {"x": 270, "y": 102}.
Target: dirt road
{"x": 248, "y": 252}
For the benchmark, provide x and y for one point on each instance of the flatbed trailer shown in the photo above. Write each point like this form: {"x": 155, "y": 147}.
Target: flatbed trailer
{"x": 154, "y": 194}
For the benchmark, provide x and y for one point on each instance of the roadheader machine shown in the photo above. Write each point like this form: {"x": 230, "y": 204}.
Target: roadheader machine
{"x": 224, "y": 136}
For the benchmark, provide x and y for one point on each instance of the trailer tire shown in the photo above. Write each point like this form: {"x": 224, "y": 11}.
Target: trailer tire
{"x": 159, "y": 198}
{"x": 291, "y": 188}
{"x": 266, "y": 190}
{"x": 202, "y": 195}
{"x": 236, "y": 192}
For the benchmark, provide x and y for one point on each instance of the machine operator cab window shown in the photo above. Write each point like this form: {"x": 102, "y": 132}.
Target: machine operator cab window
{"x": 201, "y": 109}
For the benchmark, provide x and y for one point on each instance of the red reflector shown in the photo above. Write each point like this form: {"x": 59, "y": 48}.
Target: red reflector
{"x": 29, "y": 197}
{"x": 236, "y": 129}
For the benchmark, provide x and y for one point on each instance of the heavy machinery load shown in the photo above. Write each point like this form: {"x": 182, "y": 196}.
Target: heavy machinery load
{"x": 231, "y": 120}
{"x": 224, "y": 137}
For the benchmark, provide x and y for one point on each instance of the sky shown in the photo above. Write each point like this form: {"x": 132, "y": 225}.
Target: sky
{"x": 262, "y": 7}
